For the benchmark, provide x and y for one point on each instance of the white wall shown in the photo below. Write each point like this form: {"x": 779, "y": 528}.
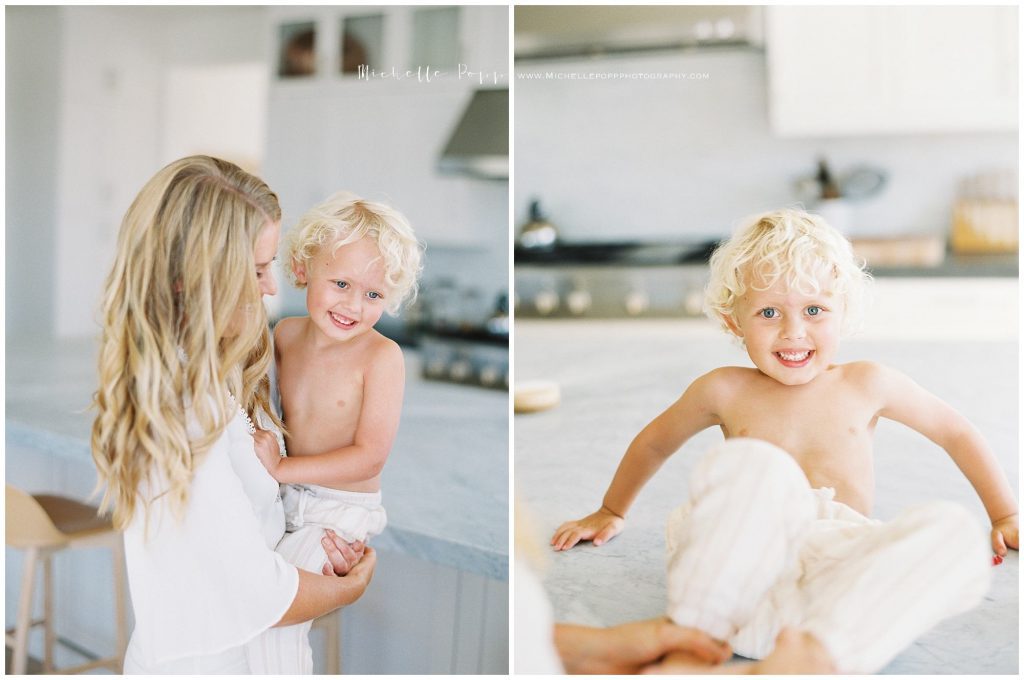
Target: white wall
{"x": 88, "y": 122}
{"x": 674, "y": 159}
{"x": 32, "y": 101}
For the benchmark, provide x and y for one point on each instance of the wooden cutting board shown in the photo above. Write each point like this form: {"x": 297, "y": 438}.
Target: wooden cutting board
{"x": 904, "y": 251}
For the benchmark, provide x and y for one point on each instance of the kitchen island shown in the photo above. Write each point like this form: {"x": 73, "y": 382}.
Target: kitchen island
{"x": 445, "y": 487}
{"x": 617, "y": 375}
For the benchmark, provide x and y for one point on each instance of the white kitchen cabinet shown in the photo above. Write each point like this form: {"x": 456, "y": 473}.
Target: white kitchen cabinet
{"x": 881, "y": 70}
{"x": 107, "y": 147}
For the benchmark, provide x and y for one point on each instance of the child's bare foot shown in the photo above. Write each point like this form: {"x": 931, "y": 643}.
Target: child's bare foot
{"x": 796, "y": 652}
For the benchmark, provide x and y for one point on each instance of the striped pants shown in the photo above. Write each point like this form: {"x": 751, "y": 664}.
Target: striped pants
{"x": 757, "y": 549}
{"x": 308, "y": 510}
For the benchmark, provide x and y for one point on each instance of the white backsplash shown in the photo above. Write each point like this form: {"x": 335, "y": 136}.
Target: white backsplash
{"x": 675, "y": 159}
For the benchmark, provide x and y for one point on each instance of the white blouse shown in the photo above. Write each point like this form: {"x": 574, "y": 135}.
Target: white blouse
{"x": 535, "y": 626}
{"x": 212, "y": 582}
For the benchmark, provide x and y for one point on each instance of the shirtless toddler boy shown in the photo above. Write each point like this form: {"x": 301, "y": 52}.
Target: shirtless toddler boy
{"x": 341, "y": 384}
{"x": 777, "y": 533}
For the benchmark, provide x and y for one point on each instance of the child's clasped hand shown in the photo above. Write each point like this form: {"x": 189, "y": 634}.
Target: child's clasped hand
{"x": 267, "y": 449}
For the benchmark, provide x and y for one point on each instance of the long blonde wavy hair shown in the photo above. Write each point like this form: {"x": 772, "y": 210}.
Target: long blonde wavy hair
{"x": 184, "y": 276}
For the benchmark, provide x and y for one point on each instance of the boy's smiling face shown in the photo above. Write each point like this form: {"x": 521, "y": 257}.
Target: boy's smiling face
{"x": 791, "y": 337}
{"x": 345, "y": 290}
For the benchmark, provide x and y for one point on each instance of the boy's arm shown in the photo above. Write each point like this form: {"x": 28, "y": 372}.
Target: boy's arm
{"x": 383, "y": 387}
{"x": 907, "y": 402}
{"x": 691, "y": 413}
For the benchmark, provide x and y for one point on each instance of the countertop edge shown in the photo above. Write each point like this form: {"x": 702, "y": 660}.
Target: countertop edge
{"x": 435, "y": 549}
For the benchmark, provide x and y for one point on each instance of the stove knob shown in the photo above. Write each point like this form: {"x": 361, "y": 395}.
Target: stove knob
{"x": 694, "y": 303}
{"x": 490, "y": 375}
{"x": 435, "y": 367}
{"x": 546, "y": 301}
{"x": 460, "y": 370}
{"x": 578, "y": 301}
{"x": 637, "y": 302}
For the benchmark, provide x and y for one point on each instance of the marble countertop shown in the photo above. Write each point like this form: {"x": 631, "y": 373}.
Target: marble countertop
{"x": 445, "y": 485}
{"x": 615, "y": 376}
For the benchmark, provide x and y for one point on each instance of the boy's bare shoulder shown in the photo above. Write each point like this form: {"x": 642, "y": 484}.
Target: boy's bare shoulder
{"x": 728, "y": 378}
{"x": 383, "y": 349}
{"x": 867, "y": 373}
{"x": 288, "y": 329}
{"x": 721, "y": 385}
{"x": 384, "y": 345}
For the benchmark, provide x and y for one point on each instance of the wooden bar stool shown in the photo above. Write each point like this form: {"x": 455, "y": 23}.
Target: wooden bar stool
{"x": 43, "y": 525}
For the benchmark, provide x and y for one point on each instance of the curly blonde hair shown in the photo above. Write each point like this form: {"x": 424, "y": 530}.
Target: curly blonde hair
{"x": 345, "y": 218}
{"x": 184, "y": 278}
{"x": 792, "y": 246}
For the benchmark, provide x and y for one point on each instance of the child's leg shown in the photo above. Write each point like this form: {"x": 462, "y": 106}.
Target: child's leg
{"x": 286, "y": 650}
{"x": 750, "y": 505}
{"x": 887, "y": 584}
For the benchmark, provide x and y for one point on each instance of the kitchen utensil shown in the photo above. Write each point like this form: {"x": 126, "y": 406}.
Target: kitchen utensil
{"x": 854, "y": 185}
{"x": 538, "y": 232}
{"x": 861, "y": 182}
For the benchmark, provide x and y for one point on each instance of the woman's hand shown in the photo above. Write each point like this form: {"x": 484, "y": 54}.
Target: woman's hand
{"x": 267, "y": 450}
{"x": 632, "y": 646}
{"x": 361, "y": 574}
{"x": 319, "y": 595}
{"x": 341, "y": 555}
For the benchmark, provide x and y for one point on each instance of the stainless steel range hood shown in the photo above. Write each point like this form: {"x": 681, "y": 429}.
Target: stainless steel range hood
{"x": 479, "y": 145}
{"x": 545, "y": 32}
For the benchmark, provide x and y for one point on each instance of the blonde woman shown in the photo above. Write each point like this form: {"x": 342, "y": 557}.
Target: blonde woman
{"x": 183, "y": 363}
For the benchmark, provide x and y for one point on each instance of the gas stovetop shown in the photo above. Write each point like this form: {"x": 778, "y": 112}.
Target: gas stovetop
{"x": 472, "y": 358}
{"x": 621, "y": 253}
{"x": 612, "y": 279}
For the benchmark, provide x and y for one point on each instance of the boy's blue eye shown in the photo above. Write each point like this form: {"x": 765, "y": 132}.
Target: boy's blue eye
{"x": 342, "y": 284}
{"x": 814, "y": 310}
{"x": 769, "y": 312}
{"x": 373, "y": 295}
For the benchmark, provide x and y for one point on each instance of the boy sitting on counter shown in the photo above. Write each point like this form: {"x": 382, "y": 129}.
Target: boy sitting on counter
{"x": 777, "y": 532}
